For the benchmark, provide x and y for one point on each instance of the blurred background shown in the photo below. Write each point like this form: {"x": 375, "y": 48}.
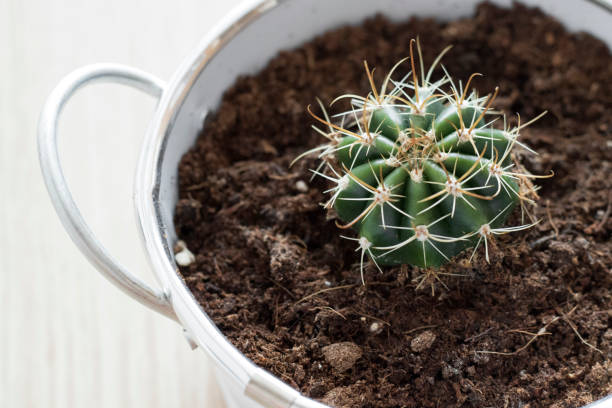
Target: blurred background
{"x": 68, "y": 338}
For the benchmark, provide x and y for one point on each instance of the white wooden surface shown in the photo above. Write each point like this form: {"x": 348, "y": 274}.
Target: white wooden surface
{"x": 67, "y": 337}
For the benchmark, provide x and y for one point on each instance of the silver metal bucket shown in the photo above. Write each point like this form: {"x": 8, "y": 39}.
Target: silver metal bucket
{"x": 241, "y": 43}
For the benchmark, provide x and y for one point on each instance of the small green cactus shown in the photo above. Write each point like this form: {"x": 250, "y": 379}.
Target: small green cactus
{"x": 420, "y": 172}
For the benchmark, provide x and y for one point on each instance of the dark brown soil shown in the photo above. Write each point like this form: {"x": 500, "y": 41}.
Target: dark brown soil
{"x": 273, "y": 273}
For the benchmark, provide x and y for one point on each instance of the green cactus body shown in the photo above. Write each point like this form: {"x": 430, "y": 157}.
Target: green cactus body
{"x": 422, "y": 177}
{"x": 457, "y": 214}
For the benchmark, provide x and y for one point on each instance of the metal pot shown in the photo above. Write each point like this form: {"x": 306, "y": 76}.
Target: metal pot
{"x": 241, "y": 43}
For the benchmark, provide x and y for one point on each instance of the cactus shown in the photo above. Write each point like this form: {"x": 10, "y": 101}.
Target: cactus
{"x": 421, "y": 172}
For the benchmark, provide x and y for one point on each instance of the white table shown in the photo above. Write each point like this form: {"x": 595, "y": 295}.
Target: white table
{"x": 67, "y": 337}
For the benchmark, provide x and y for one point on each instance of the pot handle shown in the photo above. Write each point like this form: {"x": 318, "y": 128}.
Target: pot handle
{"x": 63, "y": 202}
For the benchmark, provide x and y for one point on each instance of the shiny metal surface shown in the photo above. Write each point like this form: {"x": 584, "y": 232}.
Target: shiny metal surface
{"x": 606, "y": 4}
{"x": 193, "y": 91}
{"x": 58, "y": 189}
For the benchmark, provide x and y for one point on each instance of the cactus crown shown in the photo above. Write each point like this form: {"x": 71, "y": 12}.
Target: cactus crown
{"x": 418, "y": 169}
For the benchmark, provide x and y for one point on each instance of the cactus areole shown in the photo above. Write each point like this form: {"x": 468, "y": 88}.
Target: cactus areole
{"x": 422, "y": 170}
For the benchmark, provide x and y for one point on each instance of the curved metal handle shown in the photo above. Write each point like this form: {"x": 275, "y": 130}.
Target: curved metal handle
{"x": 62, "y": 200}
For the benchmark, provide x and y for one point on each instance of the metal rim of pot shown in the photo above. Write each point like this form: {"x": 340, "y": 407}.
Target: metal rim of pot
{"x": 174, "y": 301}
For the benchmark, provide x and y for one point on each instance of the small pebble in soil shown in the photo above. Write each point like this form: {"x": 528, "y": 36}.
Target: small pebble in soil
{"x": 423, "y": 341}
{"x": 376, "y": 328}
{"x": 449, "y": 371}
{"x": 471, "y": 371}
{"x": 582, "y": 242}
{"x": 182, "y": 254}
{"x": 301, "y": 186}
{"x": 342, "y": 356}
